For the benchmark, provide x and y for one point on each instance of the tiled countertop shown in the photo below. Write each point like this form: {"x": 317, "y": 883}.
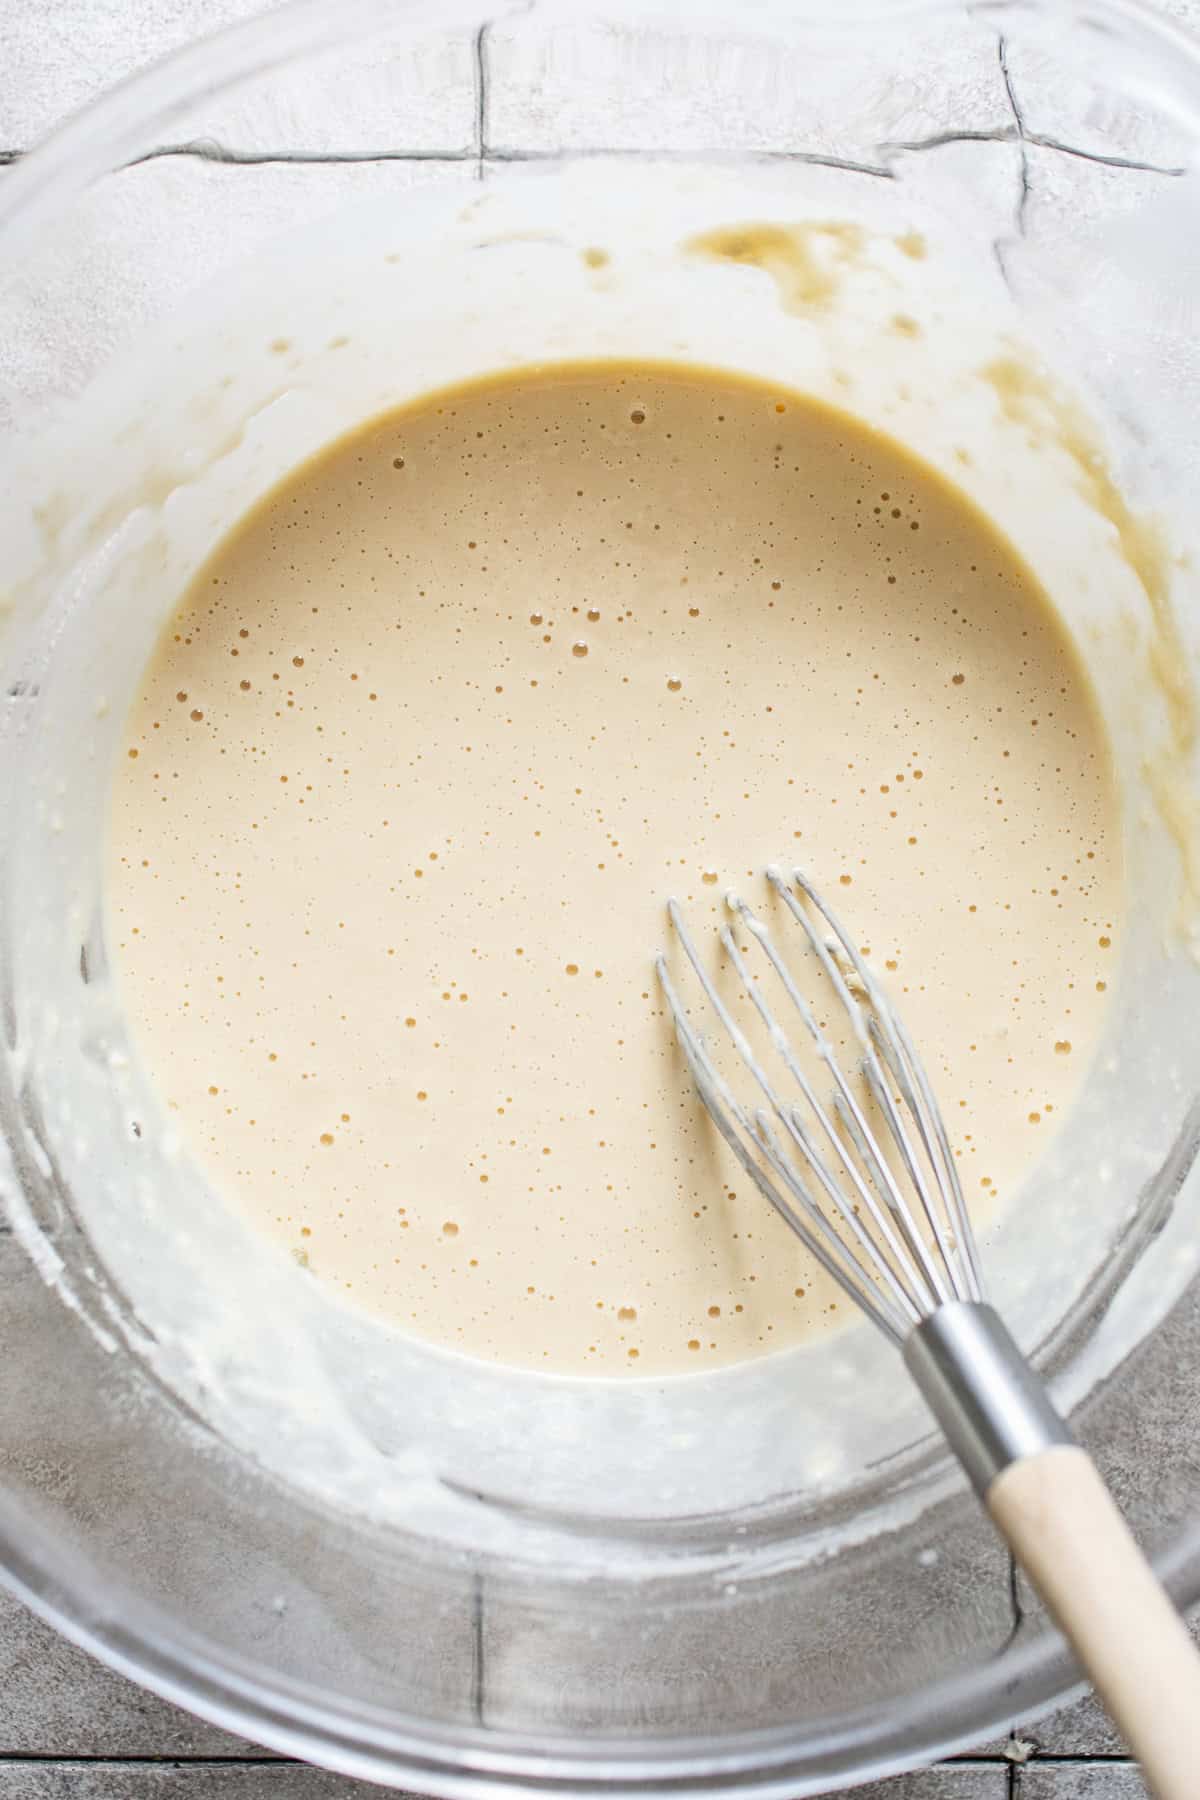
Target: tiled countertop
{"x": 69, "y": 1728}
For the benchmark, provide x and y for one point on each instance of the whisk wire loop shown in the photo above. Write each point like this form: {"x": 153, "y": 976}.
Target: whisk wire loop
{"x": 781, "y": 1182}
{"x": 878, "y": 1200}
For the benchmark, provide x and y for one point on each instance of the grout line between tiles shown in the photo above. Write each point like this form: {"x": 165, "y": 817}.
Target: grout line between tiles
{"x": 478, "y": 1683}
{"x": 44, "y": 1758}
{"x": 482, "y": 78}
{"x": 481, "y": 152}
{"x": 210, "y": 151}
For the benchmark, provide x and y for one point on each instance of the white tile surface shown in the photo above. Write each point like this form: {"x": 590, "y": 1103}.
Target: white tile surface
{"x": 55, "y": 1697}
{"x": 1073, "y": 1781}
{"x": 180, "y": 1781}
{"x": 579, "y": 83}
{"x": 409, "y": 88}
{"x": 967, "y": 1781}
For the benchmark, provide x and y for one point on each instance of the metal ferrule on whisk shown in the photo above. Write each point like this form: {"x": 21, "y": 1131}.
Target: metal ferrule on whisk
{"x": 989, "y": 1403}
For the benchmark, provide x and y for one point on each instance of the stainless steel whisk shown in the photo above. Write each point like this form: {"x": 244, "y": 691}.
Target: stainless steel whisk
{"x": 867, "y": 1180}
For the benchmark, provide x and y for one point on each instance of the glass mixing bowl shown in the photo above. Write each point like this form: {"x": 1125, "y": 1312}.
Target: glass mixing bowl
{"x": 344, "y": 1544}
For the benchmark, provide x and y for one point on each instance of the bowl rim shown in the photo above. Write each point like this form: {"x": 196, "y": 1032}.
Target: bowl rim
{"x": 1027, "y": 1679}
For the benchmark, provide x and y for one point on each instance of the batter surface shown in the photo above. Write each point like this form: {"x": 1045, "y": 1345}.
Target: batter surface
{"x": 438, "y": 728}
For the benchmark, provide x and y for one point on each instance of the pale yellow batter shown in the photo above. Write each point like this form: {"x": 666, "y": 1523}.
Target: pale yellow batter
{"x": 435, "y": 733}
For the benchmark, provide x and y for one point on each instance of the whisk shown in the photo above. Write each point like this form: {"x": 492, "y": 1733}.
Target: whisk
{"x": 865, "y": 1176}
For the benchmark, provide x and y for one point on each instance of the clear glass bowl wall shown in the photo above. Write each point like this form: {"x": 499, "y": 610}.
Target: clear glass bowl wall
{"x": 549, "y": 1598}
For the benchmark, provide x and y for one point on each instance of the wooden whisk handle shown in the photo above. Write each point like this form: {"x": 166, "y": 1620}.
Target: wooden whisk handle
{"x": 1063, "y": 1527}
{"x": 1047, "y": 1498}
